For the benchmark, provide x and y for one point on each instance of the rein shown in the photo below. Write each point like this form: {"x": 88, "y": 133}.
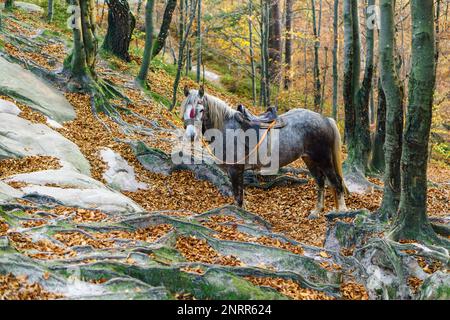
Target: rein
{"x": 255, "y": 149}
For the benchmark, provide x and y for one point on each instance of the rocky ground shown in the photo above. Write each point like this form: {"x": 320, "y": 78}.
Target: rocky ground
{"x": 93, "y": 208}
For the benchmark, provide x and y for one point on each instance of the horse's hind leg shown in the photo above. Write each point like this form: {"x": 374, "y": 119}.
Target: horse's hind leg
{"x": 338, "y": 188}
{"x": 319, "y": 177}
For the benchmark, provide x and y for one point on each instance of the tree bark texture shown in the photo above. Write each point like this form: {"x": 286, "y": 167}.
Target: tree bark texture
{"x": 165, "y": 25}
{"x": 121, "y": 23}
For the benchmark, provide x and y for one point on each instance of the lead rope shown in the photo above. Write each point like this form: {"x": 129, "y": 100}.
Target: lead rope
{"x": 256, "y": 148}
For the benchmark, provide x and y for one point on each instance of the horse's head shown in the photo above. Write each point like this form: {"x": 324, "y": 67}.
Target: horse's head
{"x": 193, "y": 110}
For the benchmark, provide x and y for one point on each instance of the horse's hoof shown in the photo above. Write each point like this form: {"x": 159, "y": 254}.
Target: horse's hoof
{"x": 314, "y": 214}
{"x": 240, "y": 205}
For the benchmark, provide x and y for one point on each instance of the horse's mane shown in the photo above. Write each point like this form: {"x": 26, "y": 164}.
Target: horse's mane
{"x": 219, "y": 110}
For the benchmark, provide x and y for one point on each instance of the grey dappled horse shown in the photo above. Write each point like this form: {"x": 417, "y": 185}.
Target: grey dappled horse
{"x": 306, "y": 134}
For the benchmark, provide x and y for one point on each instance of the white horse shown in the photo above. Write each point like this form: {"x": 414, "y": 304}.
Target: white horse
{"x": 306, "y": 134}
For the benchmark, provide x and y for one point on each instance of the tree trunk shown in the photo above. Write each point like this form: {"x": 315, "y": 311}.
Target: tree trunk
{"x": 377, "y": 163}
{"x": 81, "y": 61}
{"x": 438, "y": 29}
{"x": 199, "y": 40}
{"x": 121, "y": 23}
{"x": 165, "y": 26}
{"x": 288, "y": 45}
{"x": 335, "y": 59}
{"x": 357, "y": 95}
{"x": 317, "y": 83}
{"x": 274, "y": 43}
{"x": 88, "y": 29}
{"x": 143, "y": 72}
{"x": 362, "y": 110}
{"x": 265, "y": 73}
{"x": 252, "y": 52}
{"x": 394, "y": 111}
{"x": 50, "y": 9}
{"x": 9, "y": 4}
{"x": 76, "y": 62}
{"x": 322, "y": 96}
{"x": 412, "y": 221}
{"x": 351, "y": 65}
{"x": 183, "y": 42}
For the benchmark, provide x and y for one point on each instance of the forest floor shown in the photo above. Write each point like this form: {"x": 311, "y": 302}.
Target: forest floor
{"x": 178, "y": 195}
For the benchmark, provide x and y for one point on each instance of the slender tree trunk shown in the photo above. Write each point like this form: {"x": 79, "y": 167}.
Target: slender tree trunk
{"x": 274, "y": 43}
{"x": 377, "y": 163}
{"x": 143, "y": 72}
{"x": 288, "y": 45}
{"x": 165, "y": 27}
{"x": 50, "y": 9}
{"x": 372, "y": 107}
{"x": 305, "y": 73}
{"x": 181, "y": 53}
{"x": 76, "y": 63}
{"x": 350, "y": 67}
{"x": 252, "y": 52}
{"x": 265, "y": 7}
{"x": 362, "y": 112}
{"x": 88, "y": 29}
{"x": 138, "y": 10}
{"x": 121, "y": 23}
{"x": 412, "y": 221}
{"x": 80, "y": 64}
{"x": 394, "y": 110}
{"x": 322, "y": 99}
{"x": 9, "y": 4}
{"x": 335, "y": 59}
{"x": 317, "y": 83}
{"x": 199, "y": 40}
{"x": 357, "y": 95}
{"x": 438, "y": 31}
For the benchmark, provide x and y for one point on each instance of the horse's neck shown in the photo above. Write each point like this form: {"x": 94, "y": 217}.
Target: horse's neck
{"x": 218, "y": 106}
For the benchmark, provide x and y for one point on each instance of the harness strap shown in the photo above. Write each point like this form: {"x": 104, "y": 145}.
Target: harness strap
{"x": 255, "y": 149}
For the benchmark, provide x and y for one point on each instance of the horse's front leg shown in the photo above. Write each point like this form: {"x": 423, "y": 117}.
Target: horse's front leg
{"x": 236, "y": 174}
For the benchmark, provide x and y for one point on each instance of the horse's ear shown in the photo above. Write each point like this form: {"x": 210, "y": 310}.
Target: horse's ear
{"x": 186, "y": 91}
{"x": 201, "y": 92}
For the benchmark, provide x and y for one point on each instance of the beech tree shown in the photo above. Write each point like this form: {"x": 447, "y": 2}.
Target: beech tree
{"x": 265, "y": 73}
{"x": 335, "y": 58}
{"x": 356, "y": 94}
{"x": 165, "y": 25}
{"x": 199, "y": 40}
{"x": 183, "y": 41}
{"x": 288, "y": 45}
{"x": 121, "y": 23}
{"x": 81, "y": 61}
{"x": 252, "y": 51}
{"x": 377, "y": 163}
{"x": 9, "y": 4}
{"x": 316, "y": 70}
{"x": 412, "y": 222}
{"x": 393, "y": 92}
{"x": 50, "y": 10}
{"x": 143, "y": 72}
{"x": 274, "y": 43}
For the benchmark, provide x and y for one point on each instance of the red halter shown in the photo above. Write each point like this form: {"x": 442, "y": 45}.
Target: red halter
{"x": 192, "y": 114}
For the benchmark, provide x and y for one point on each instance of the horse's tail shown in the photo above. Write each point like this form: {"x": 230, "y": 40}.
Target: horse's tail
{"x": 337, "y": 158}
